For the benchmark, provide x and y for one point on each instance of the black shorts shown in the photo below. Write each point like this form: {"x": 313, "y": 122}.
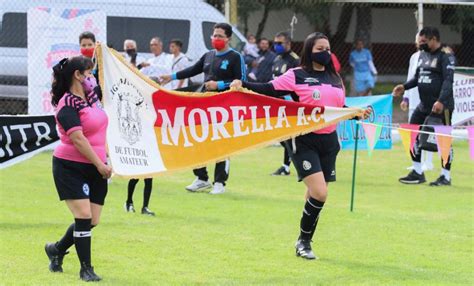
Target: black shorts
{"x": 75, "y": 181}
{"x": 315, "y": 153}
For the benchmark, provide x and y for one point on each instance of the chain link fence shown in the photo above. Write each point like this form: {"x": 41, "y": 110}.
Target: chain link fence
{"x": 387, "y": 29}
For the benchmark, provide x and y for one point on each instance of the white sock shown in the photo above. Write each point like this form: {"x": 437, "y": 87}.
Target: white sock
{"x": 428, "y": 157}
{"x": 287, "y": 168}
{"x": 446, "y": 174}
{"x": 417, "y": 168}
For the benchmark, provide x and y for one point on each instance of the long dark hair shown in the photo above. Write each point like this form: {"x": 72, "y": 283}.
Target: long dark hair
{"x": 63, "y": 73}
{"x": 306, "y": 62}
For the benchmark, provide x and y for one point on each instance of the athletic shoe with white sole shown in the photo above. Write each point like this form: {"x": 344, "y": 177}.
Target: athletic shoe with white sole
{"x": 198, "y": 185}
{"x": 217, "y": 189}
{"x": 303, "y": 249}
{"x": 413, "y": 178}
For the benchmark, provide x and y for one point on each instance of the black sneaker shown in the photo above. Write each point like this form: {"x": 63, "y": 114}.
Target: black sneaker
{"x": 147, "y": 211}
{"x": 129, "y": 208}
{"x": 281, "y": 172}
{"x": 87, "y": 274}
{"x": 303, "y": 249}
{"x": 55, "y": 257}
{"x": 441, "y": 181}
{"x": 413, "y": 178}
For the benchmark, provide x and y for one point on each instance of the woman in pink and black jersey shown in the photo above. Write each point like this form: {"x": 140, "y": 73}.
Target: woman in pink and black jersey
{"x": 313, "y": 154}
{"x": 79, "y": 162}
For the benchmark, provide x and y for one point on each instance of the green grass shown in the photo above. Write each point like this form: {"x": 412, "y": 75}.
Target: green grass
{"x": 398, "y": 235}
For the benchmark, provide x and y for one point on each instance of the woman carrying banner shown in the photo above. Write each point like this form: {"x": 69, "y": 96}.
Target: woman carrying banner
{"x": 79, "y": 162}
{"x": 313, "y": 154}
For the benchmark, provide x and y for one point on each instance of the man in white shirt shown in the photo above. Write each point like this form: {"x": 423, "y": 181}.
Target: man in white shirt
{"x": 131, "y": 54}
{"x": 160, "y": 63}
{"x": 180, "y": 62}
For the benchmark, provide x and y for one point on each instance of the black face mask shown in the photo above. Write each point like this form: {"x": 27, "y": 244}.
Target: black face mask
{"x": 424, "y": 47}
{"x": 322, "y": 58}
{"x": 131, "y": 52}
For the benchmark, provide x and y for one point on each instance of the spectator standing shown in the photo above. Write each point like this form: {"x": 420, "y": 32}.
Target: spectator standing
{"x": 160, "y": 63}
{"x": 180, "y": 62}
{"x": 364, "y": 69}
{"x": 434, "y": 79}
{"x": 286, "y": 59}
{"x": 131, "y": 54}
{"x": 262, "y": 66}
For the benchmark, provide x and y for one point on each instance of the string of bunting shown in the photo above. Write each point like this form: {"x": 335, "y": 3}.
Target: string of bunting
{"x": 409, "y": 132}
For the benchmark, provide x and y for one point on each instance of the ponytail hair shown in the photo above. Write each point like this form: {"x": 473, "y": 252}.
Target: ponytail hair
{"x": 63, "y": 73}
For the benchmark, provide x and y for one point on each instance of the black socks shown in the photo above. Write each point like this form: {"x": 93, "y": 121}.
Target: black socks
{"x": 67, "y": 240}
{"x": 131, "y": 188}
{"x": 309, "y": 219}
{"x": 82, "y": 240}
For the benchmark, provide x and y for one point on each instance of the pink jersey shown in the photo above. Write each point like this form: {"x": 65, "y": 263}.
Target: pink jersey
{"x": 316, "y": 87}
{"x": 74, "y": 113}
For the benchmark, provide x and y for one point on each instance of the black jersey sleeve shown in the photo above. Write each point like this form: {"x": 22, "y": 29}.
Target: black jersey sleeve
{"x": 265, "y": 89}
{"x": 193, "y": 70}
{"x": 68, "y": 118}
{"x": 412, "y": 82}
{"x": 447, "y": 67}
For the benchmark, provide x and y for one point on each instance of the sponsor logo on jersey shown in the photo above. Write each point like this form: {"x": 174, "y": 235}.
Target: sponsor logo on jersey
{"x": 311, "y": 80}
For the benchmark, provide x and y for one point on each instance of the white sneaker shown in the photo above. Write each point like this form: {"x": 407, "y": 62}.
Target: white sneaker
{"x": 198, "y": 185}
{"x": 218, "y": 189}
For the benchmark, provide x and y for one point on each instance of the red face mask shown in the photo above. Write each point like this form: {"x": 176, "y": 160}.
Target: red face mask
{"x": 218, "y": 44}
{"x": 87, "y": 52}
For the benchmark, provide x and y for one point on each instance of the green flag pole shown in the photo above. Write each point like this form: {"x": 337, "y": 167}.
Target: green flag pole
{"x": 354, "y": 166}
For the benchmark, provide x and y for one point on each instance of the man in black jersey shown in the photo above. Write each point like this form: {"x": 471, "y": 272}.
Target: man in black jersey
{"x": 221, "y": 66}
{"x": 434, "y": 78}
{"x": 286, "y": 59}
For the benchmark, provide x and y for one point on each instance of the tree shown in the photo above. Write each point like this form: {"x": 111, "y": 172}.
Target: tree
{"x": 268, "y": 5}
{"x": 245, "y": 8}
{"x": 339, "y": 38}
{"x": 461, "y": 19}
{"x": 363, "y": 24}
{"x": 317, "y": 14}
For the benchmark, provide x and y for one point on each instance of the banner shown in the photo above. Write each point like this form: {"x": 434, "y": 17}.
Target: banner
{"x": 153, "y": 130}
{"x": 463, "y": 93}
{"x": 382, "y": 114}
{"x": 53, "y": 34}
{"x": 21, "y": 137}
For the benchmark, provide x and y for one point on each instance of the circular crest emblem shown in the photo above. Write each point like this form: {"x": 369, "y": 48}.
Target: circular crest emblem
{"x": 316, "y": 95}
{"x": 306, "y": 165}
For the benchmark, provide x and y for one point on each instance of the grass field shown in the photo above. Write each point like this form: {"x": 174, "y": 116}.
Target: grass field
{"x": 398, "y": 235}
